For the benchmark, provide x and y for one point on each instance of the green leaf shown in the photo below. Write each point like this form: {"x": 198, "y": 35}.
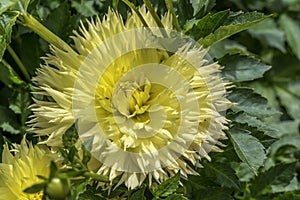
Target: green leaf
{"x": 227, "y": 46}
{"x": 19, "y": 102}
{"x": 284, "y": 187}
{"x": 35, "y": 188}
{"x": 86, "y": 8}
{"x": 248, "y": 148}
{"x": 5, "y": 5}
{"x": 8, "y": 75}
{"x": 243, "y": 171}
{"x": 198, "y": 5}
{"x": 212, "y": 193}
{"x": 292, "y": 31}
{"x": 167, "y": 187}
{"x": 239, "y": 68}
{"x": 289, "y": 100}
{"x": 287, "y": 127}
{"x": 206, "y": 25}
{"x": 224, "y": 173}
{"x": 251, "y": 103}
{"x": 86, "y": 155}
{"x": 277, "y": 175}
{"x": 286, "y": 140}
{"x": 7, "y": 20}
{"x": 67, "y": 22}
{"x": 176, "y": 197}
{"x": 254, "y": 122}
{"x": 287, "y": 196}
{"x": 138, "y": 195}
{"x": 19, "y": 5}
{"x": 70, "y": 137}
{"x": 235, "y": 23}
{"x": 268, "y": 33}
{"x": 185, "y": 11}
{"x": 53, "y": 170}
{"x": 8, "y": 121}
{"x": 30, "y": 59}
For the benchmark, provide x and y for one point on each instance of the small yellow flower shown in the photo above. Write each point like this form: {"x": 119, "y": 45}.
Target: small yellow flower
{"x": 145, "y": 100}
{"x": 19, "y": 171}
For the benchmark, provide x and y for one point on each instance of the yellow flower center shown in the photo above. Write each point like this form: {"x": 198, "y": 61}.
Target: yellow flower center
{"x": 36, "y": 196}
{"x": 132, "y": 111}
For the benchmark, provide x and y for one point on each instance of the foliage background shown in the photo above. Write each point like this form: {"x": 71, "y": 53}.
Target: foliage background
{"x": 261, "y": 157}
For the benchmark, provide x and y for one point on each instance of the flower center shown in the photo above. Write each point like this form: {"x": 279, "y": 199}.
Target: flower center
{"x": 36, "y": 196}
{"x": 136, "y": 97}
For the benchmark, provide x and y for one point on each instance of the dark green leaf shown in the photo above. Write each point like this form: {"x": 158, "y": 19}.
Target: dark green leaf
{"x": 237, "y": 22}
{"x": 243, "y": 171}
{"x": 35, "y": 188}
{"x": 198, "y": 5}
{"x": 176, "y": 197}
{"x": 7, "y": 20}
{"x": 286, "y": 97}
{"x": 212, "y": 193}
{"x": 19, "y": 102}
{"x": 138, "y": 195}
{"x": 227, "y": 46}
{"x": 287, "y": 196}
{"x": 167, "y": 187}
{"x": 84, "y": 191}
{"x": 224, "y": 173}
{"x": 254, "y": 122}
{"x": 251, "y": 103}
{"x": 8, "y": 121}
{"x": 288, "y": 127}
{"x": 185, "y": 11}
{"x": 31, "y": 57}
{"x": 5, "y": 5}
{"x": 70, "y": 137}
{"x": 19, "y": 5}
{"x": 279, "y": 174}
{"x": 72, "y": 152}
{"x": 8, "y": 75}
{"x": 85, "y": 8}
{"x": 86, "y": 155}
{"x": 239, "y": 68}
{"x": 292, "y": 31}
{"x": 290, "y": 140}
{"x": 53, "y": 170}
{"x": 67, "y": 22}
{"x": 248, "y": 148}
{"x": 206, "y": 25}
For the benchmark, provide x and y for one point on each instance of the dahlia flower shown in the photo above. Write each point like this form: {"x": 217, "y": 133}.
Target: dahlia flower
{"x": 145, "y": 100}
{"x": 20, "y": 171}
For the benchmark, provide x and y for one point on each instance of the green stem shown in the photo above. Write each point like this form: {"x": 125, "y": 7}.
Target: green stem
{"x": 97, "y": 177}
{"x": 132, "y": 6}
{"x": 18, "y": 62}
{"x": 170, "y": 7}
{"x": 29, "y": 21}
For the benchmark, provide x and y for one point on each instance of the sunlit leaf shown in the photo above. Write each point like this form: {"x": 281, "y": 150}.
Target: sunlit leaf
{"x": 235, "y": 23}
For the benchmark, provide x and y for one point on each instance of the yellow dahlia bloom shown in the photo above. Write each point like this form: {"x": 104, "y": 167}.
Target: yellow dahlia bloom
{"x": 144, "y": 100}
{"x": 19, "y": 171}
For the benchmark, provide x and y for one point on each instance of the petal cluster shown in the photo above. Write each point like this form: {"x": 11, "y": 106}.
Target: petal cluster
{"x": 144, "y": 110}
{"x": 20, "y": 170}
